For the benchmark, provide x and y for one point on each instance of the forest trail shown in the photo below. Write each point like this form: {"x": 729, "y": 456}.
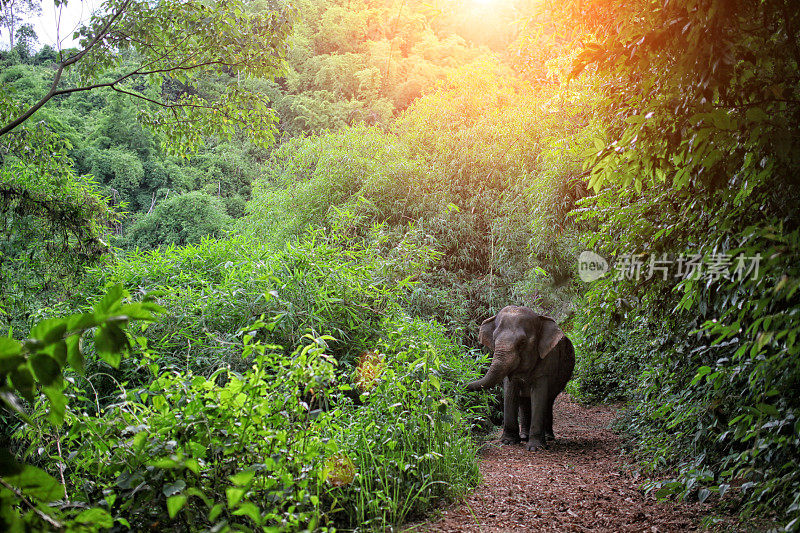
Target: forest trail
{"x": 581, "y": 483}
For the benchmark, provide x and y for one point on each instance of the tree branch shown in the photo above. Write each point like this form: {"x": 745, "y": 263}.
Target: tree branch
{"x": 111, "y": 84}
{"x": 57, "y": 79}
{"x": 44, "y": 516}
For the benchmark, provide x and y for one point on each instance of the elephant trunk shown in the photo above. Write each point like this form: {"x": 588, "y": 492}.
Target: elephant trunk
{"x": 498, "y": 370}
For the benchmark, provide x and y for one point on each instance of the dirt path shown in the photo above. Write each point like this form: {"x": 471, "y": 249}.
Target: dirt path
{"x": 579, "y": 484}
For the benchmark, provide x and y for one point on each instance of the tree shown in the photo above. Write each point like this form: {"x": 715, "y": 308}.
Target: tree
{"x": 56, "y": 222}
{"x": 134, "y": 46}
{"x": 26, "y": 41}
{"x": 53, "y": 225}
{"x": 13, "y": 12}
{"x": 182, "y": 219}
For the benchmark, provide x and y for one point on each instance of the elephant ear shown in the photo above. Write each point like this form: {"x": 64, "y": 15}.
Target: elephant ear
{"x": 549, "y": 335}
{"x": 486, "y": 333}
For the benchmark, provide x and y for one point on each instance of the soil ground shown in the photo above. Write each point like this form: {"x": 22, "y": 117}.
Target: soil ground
{"x": 580, "y": 484}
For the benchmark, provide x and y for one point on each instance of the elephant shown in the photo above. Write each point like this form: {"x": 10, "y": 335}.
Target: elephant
{"x": 535, "y": 360}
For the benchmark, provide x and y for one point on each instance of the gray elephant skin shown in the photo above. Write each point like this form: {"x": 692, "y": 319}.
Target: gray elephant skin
{"x": 534, "y": 360}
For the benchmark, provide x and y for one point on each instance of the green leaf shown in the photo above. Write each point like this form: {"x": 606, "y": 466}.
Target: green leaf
{"x": 8, "y": 348}
{"x": 665, "y": 491}
{"x": 10, "y": 362}
{"x": 721, "y": 119}
{"x": 197, "y": 449}
{"x": 82, "y": 322}
{"x": 45, "y": 368}
{"x": 139, "y": 440}
{"x": 756, "y": 114}
{"x": 251, "y": 510}
{"x": 702, "y": 371}
{"x": 110, "y": 300}
{"x": 99, "y": 518}
{"x": 58, "y": 405}
{"x": 110, "y": 341}
{"x": 140, "y": 311}
{"x": 37, "y": 484}
{"x": 165, "y": 463}
{"x": 175, "y": 504}
{"x": 768, "y": 409}
{"x": 235, "y": 495}
{"x": 174, "y": 488}
{"x": 215, "y": 511}
{"x": 160, "y": 403}
{"x": 50, "y": 330}
{"x": 193, "y": 465}
{"x": 22, "y": 380}
{"x": 57, "y": 351}
{"x": 75, "y": 353}
{"x": 242, "y": 478}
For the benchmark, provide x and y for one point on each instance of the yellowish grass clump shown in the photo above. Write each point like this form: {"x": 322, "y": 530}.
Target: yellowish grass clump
{"x": 369, "y": 370}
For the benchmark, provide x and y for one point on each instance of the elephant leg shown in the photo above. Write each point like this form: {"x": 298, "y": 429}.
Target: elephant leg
{"x": 548, "y": 421}
{"x": 524, "y": 416}
{"x": 510, "y": 406}
{"x": 539, "y": 397}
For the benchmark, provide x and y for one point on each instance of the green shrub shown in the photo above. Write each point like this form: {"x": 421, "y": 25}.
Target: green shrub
{"x": 712, "y": 407}
{"x": 232, "y": 449}
{"x": 34, "y": 370}
{"x": 281, "y": 444}
{"x": 409, "y": 440}
{"x": 181, "y": 219}
{"x": 321, "y": 284}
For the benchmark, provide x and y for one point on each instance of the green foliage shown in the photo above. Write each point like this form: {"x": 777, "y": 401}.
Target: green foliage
{"x": 508, "y": 156}
{"x": 131, "y": 47}
{"x": 236, "y": 450}
{"x": 320, "y": 284}
{"x": 26, "y": 42}
{"x": 310, "y": 178}
{"x": 409, "y": 439}
{"x": 53, "y": 223}
{"x": 263, "y": 446}
{"x": 182, "y": 219}
{"x": 352, "y": 62}
{"x": 699, "y": 157}
{"x": 609, "y": 366}
{"x": 427, "y": 180}
{"x": 34, "y": 368}
{"x": 118, "y": 127}
{"x": 121, "y": 171}
{"x": 246, "y": 406}
{"x": 465, "y": 182}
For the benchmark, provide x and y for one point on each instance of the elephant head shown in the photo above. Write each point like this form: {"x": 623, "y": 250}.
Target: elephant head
{"x": 519, "y": 338}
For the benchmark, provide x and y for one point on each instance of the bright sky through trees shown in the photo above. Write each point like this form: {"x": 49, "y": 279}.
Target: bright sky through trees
{"x": 56, "y": 25}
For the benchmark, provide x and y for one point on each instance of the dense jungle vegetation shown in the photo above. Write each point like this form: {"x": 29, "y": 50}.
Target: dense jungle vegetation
{"x": 246, "y": 245}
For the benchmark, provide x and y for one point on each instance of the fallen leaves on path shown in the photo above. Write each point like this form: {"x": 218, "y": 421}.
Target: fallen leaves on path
{"x": 579, "y": 484}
